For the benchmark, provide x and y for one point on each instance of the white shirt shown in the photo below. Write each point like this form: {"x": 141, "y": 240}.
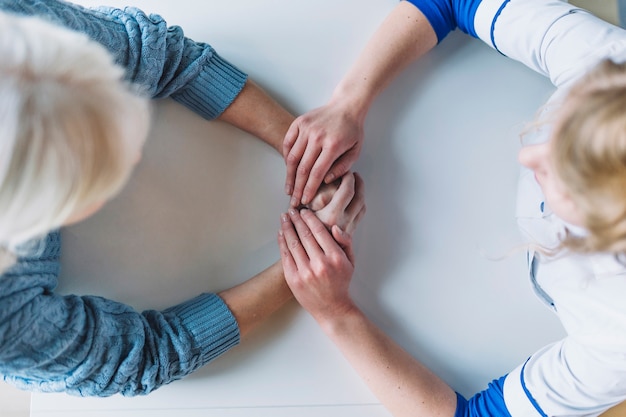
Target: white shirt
{"x": 585, "y": 373}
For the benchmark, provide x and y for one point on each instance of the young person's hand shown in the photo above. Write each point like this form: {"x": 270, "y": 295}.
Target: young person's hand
{"x": 318, "y": 266}
{"x": 319, "y": 147}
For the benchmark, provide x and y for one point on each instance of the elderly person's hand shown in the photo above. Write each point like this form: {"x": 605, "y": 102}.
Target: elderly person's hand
{"x": 340, "y": 203}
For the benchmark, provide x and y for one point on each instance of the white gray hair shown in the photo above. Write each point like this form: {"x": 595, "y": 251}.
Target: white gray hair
{"x": 70, "y": 127}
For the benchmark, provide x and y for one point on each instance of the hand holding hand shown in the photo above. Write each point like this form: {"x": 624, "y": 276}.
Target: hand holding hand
{"x": 318, "y": 266}
{"x": 320, "y": 145}
{"x": 340, "y": 203}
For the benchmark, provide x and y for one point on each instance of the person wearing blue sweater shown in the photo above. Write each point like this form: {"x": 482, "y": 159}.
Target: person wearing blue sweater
{"x": 74, "y": 113}
{"x": 571, "y": 207}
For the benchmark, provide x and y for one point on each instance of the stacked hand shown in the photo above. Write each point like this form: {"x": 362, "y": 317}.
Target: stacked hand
{"x": 320, "y": 146}
{"x": 316, "y": 246}
{"x": 315, "y": 241}
{"x": 340, "y": 203}
{"x": 318, "y": 265}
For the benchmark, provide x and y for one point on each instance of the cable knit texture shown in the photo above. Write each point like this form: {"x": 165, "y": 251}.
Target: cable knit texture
{"x": 158, "y": 58}
{"x": 90, "y": 345}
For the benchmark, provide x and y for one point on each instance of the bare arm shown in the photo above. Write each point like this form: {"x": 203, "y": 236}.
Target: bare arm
{"x": 255, "y": 112}
{"x": 258, "y": 298}
{"x": 403, "y": 37}
{"x": 318, "y": 271}
{"x": 322, "y": 145}
{"x": 399, "y": 381}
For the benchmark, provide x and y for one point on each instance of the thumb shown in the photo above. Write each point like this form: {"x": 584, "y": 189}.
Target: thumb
{"x": 340, "y": 236}
{"x": 344, "y": 240}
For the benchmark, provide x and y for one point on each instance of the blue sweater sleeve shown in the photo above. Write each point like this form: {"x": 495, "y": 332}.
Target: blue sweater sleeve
{"x": 446, "y": 15}
{"x": 90, "y": 346}
{"x": 158, "y": 58}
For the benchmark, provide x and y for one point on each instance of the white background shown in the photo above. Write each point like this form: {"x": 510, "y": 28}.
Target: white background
{"x": 201, "y": 214}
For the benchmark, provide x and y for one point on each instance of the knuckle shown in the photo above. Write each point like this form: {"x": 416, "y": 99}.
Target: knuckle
{"x": 320, "y": 268}
{"x": 318, "y": 136}
{"x": 334, "y": 146}
{"x": 335, "y": 258}
{"x": 319, "y": 229}
{"x": 307, "y": 275}
{"x": 292, "y": 158}
{"x": 303, "y": 170}
{"x": 317, "y": 175}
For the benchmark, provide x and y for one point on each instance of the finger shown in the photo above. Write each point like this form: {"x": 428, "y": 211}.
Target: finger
{"x": 289, "y": 265}
{"x": 292, "y": 161}
{"x": 358, "y": 201}
{"x": 323, "y": 196}
{"x": 316, "y": 176}
{"x": 344, "y": 194}
{"x": 307, "y": 239}
{"x": 311, "y": 154}
{"x": 340, "y": 236}
{"x": 322, "y": 236}
{"x": 290, "y": 137}
{"x": 344, "y": 240}
{"x": 357, "y": 219}
{"x": 294, "y": 245}
{"x": 342, "y": 165}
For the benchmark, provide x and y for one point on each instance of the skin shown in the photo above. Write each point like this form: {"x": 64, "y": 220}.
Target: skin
{"x": 537, "y": 158}
{"x": 318, "y": 268}
{"x": 258, "y": 298}
{"x": 318, "y": 265}
{"x": 255, "y": 112}
{"x": 340, "y": 203}
{"x": 323, "y": 144}
{"x": 316, "y": 255}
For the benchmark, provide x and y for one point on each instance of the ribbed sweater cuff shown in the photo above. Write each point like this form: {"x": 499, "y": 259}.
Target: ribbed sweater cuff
{"x": 212, "y": 324}
{"x": 214, "y": 89}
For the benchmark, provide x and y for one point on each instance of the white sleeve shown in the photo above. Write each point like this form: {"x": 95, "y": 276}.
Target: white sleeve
{"x": 566, "y": 379}
{"x": 552, "y": 37}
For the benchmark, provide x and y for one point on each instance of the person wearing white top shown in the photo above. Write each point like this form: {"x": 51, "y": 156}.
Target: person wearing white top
{"x": 571, "y": 207}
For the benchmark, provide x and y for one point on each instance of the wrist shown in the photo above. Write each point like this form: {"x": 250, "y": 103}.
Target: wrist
{"x": 339, "y": 321}
{"x": 351, "y": 101}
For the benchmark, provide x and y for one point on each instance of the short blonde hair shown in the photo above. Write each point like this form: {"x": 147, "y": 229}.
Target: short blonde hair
{"x": 70, "y": 127}
{"x": 589, "y": 155}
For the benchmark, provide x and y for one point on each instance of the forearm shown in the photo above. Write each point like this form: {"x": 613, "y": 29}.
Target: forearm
{"x": 404, "y": 36}
{"x": 70, "y": 336}
{"x": 255, "y": 112}
{"x": 253, "y": 301}
{"x": 399, "y": 381}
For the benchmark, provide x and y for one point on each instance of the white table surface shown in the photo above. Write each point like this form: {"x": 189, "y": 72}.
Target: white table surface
{"x": 201, "y": 214}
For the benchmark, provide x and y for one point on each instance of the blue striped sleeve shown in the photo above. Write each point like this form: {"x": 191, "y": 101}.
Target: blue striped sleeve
{"x": 489, "y": 402}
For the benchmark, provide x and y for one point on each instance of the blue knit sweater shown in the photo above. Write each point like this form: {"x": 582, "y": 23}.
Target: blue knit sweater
{"x": 89, "y": 345}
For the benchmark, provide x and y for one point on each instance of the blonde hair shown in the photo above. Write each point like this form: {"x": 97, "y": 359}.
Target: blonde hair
{"x": 70, "y": 128}
{"x": 589, "y": 155}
